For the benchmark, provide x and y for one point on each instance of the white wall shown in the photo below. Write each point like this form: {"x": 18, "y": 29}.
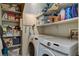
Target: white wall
{"x": 59, "y": 30}
{"x": 33, "y": 8}
{"x": 29, "y": 19}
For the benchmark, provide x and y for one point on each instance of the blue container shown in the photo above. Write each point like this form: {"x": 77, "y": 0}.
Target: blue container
{"x": 5, "y": 51}
{"x": 68, "y": 13}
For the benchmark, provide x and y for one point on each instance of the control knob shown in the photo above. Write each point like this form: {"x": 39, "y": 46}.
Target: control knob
{"x": 48, "y": 44}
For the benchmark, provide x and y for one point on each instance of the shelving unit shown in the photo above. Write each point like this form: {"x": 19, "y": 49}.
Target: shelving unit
{"x": 62, "y": 21}
{"x": 11, "y": 22}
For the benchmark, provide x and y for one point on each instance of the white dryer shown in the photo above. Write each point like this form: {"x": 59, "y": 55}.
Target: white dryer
{"x": 33, "y": 42}
{"x": 56, "y": 46}
{"x": 30, "y": 41}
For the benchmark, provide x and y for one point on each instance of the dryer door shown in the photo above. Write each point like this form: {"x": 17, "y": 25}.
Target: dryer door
{"x": 46, "y": 52}
{"x": 31, "y": 49}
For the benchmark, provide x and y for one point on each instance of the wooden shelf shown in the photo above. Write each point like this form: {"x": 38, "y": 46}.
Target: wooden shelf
{"x": 61, "y": 22}
{"x": 10, "y": 36}
{"x": 10, "y": 21}
{"x": 11, "y": 11}
{"x": 14, "y": 46}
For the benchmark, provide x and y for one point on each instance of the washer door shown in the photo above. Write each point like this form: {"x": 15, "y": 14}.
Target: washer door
{"x": 31, "y": 49}
{"x": 46, "y": 52}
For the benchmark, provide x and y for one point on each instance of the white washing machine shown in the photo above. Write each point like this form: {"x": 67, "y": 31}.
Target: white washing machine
{"x": 33, "y": 46}
{"x": 56, "y": 46}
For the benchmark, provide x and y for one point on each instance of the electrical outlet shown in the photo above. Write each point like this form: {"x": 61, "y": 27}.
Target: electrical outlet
{"x": 74, "y": 33}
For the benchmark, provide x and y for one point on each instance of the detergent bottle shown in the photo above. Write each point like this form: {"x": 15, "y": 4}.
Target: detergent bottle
{"x": 74, "y": 11}
{"x": 68, "y": 12}
{"x": 62, "y": 13}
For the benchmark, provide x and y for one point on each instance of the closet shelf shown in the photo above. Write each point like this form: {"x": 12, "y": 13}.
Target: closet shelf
{"x": 10, "y": 21}
{"x": 11, "y": 11}
{"x": 10, "y": 36}
{"x": 71, "y": 20}
{"x": 14, "y": 46}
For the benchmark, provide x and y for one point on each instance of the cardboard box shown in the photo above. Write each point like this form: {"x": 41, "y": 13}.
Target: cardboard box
{"x": 54, "y": 18}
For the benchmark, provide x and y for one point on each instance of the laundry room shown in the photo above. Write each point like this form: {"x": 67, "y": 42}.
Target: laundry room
{"x": 39, "y": 29}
